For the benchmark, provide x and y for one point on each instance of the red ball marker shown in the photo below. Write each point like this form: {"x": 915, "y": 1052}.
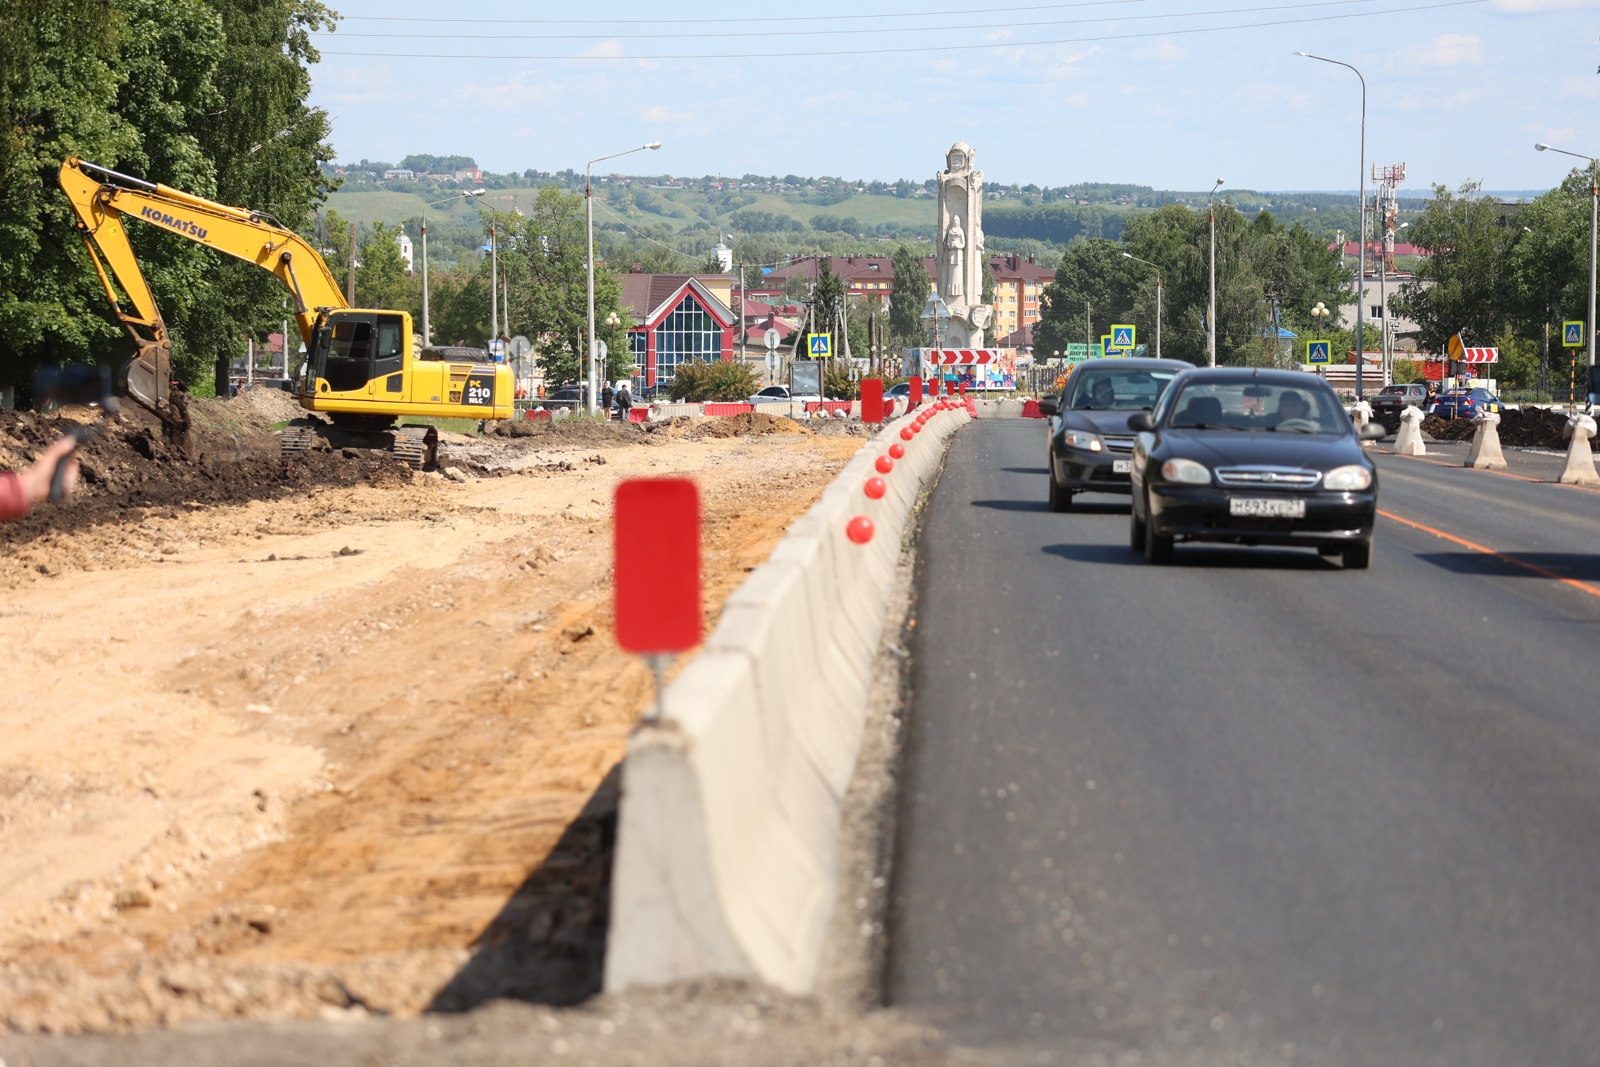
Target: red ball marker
{"x": 884, "y": 464}
{"x": 860, "y": 530}
{"x": 875, "y": 488}
{"x": 897, "y": 450}
{"x": 905, "y": 433}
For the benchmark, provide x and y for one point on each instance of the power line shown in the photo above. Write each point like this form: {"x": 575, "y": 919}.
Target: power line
{"x": 726, "y": 21}
{"x": 827, "y": 33}
{"x": 985, "y": 46}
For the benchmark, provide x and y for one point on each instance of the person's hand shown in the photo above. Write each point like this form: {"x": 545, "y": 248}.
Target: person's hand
{"x": 36, "y": 479}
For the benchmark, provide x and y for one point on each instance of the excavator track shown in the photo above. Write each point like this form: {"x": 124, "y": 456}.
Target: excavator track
{"x": 417, "y": 446}
{"x": 299, "y": 437}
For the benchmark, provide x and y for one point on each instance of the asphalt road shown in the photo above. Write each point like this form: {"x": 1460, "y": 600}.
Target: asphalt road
{"x": 1251, "y": 807}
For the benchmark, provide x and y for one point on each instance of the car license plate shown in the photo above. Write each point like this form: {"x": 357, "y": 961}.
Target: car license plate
{"x": 1121, "y": 466}
{"x": 1255, "y": 507}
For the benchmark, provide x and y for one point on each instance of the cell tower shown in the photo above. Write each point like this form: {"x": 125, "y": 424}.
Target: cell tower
{"x": 1387, "y": 206}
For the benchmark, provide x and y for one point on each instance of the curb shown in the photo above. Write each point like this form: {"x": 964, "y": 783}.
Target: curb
{"x": 728, "y": 827}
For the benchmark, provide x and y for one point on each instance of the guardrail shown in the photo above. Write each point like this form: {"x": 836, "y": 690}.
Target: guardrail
{"x": 728, "y": 831}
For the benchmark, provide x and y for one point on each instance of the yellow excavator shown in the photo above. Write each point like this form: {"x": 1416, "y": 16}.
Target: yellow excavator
{"x": 360, "y": 369}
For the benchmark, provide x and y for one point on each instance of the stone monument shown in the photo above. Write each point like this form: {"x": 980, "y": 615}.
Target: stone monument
{"x": 960, "y": 249}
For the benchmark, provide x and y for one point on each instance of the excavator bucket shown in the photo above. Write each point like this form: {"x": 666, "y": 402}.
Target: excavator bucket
{"x": 150, "y": 380}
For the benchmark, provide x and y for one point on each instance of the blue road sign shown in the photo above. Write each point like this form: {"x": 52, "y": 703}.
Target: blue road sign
{"x": 818, "y": 345}
{"x": 1319, "y": 351}
{"x": 1572, "y": 334}
{"x": 1122, "y": 336}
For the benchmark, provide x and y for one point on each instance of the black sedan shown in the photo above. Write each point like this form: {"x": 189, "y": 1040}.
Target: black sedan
{"x": 1252, "y": 457}
{"x": 1091, "y": 447}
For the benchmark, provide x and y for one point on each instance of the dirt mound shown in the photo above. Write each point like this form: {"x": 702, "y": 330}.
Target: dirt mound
{"x": 569, "y": 431}
{"x": 1526, "y": 428}
{"x": 128, "y": 467}
{"x": 750, "y": 423}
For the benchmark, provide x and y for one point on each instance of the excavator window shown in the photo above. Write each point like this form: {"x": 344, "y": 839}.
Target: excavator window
{"x": 349, "y": 360}
{"x": 391, "y": 345}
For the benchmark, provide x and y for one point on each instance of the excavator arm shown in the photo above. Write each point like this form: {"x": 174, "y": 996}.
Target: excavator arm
{"x": 101, "y": 203}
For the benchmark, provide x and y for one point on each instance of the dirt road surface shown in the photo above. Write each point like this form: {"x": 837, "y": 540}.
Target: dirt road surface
{"x": 341, "y": 749}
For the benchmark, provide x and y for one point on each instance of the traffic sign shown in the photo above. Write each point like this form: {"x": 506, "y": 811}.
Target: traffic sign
{"x": 1140, "y": 351}
{"x": 1077, "y": 353}
{"x": 521, "y": 347}
{"x": 1572, "y": 334}
{"x": 1111, "y": 350}
{"x": 819, "y": 345}
{"x": 1319, "y": 351}
{"x": 1123, "y": 337}
{"x": 774, "y": 361}
{"x": 771, "y": 338}
{"x": 1097, "y": 351}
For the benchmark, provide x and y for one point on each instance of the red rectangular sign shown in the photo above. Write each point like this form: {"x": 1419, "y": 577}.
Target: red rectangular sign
{"x": 657, "y": 565}
{"x": 916, "y": 390}
{"x": 872, "y": 400}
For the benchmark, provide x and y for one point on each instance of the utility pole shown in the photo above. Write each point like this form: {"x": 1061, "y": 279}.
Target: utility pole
{"x": 494, "y": 278}
{"x": 350, "y": 279}
{"x": 427, "y": 336}
{"x": 1088, "y": 327}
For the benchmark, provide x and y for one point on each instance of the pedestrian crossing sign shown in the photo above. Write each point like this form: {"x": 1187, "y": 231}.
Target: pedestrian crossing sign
{"x": 819, "y": 345}
{"x": 1122, "y": 336}
{"x": 1572, "y": 334}
{"x": 1319, "y": 351}
{"x": 1110, "y": 350}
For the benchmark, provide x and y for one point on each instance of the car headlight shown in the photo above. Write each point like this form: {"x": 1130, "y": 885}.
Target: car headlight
{"x": 1187, "y": 471}
{"x": 1345, "y": 478}
{"x": 1083, "y": 439}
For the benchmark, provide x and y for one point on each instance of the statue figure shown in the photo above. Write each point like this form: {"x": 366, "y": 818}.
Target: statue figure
{"x": 960, "y": 253}
{"x": 956, "y": 242}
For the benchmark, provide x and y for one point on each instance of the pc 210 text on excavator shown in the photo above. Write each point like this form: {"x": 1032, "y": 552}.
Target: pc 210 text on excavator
{"x": 361, "y": 371}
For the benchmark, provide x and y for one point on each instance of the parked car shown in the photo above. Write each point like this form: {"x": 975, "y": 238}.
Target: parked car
{"x": 772, "y": 394}
{"x": 1392, "y": 399}
{"x": 568, "y": 396}
{"x": 898, "y": 390}
{"x": 1091, "y": 447}
{"x": 1465, "y": 403}
{"x": 1252, "y": 457}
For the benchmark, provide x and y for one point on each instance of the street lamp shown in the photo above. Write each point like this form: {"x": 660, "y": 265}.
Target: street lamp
{"x": 938, "y": 312}
{"x": 1319, "y": 317}
{"x": 1146, "y": 262}
{"x": 427, "y": 335}
{"x": 588, "y": 210}
{"x": 1211, "y": 315}
{"x": 1361, "y": 195}
{"x": 1594, "y": 225}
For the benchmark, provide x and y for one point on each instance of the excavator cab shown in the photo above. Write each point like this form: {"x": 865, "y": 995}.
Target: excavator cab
{"x": 352, "y": 350}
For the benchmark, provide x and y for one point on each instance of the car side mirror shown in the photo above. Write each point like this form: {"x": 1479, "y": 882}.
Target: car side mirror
{"x": 1141, "y": 422}
{"x": 1049, "y": 405}
{"x": 1373, "y": 431}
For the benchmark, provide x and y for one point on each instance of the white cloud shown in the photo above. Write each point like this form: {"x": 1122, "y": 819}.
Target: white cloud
{"x": 1528, "y": 7}
{"x": 671, "y": 118}
{"x": 1163, "y": 51}
{"x": 1448, "y": 50}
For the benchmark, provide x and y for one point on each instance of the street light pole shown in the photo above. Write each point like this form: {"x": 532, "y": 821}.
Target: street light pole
{"x": 427, "y": 328}
{"x": 588, "y": 213}
{"x": 1146, "y": 262}
{"x": 1361, "y": 196}
{"x": 1211, "y": 314}
{"x": 1594, "y": 229}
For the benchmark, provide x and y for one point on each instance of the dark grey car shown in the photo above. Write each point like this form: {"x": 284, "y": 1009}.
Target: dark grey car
{"x": 1091, "y": 447}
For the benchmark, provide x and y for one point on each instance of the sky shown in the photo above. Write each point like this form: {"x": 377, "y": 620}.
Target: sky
{"x": 1053, "y": 93}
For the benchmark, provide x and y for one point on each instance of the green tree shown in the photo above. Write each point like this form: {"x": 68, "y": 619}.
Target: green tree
{"x": 1461, "y": 286}
{"x": 718, "y": 379}
{"x": 381, "y": 279}
{"x": 911, "y": 288}
{"x": 543, "y": 254}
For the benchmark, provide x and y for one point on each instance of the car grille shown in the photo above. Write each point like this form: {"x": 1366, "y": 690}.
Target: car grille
{"x": 1268, "y": 477}
{"x": 1117, "y": 444}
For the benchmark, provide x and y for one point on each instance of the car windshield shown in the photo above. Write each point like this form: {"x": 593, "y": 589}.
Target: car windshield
{"x": 1392, "y": 390}
{"x": 1255, "y": 405}
{"x": 1118, "y": 389}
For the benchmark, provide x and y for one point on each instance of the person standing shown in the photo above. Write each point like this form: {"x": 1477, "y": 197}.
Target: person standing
{"x": 624, "y": 400}
{"x": 607, "y": 395}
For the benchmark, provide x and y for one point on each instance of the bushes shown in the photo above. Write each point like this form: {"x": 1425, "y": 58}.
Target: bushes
{"x": 722, "y": 380}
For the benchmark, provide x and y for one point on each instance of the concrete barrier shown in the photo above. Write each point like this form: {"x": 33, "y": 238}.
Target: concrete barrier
{"x": 728, "y": 829}
{"x": 1580, "y": 456}
{"x": 1408, "y": 442}
{"x": 1485, "y": 453}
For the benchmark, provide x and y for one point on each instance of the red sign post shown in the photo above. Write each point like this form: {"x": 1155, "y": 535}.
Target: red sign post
{"x": 916, "y": 390}
{"x": 656, "y": 567}
{"x": 872, "y": 400}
